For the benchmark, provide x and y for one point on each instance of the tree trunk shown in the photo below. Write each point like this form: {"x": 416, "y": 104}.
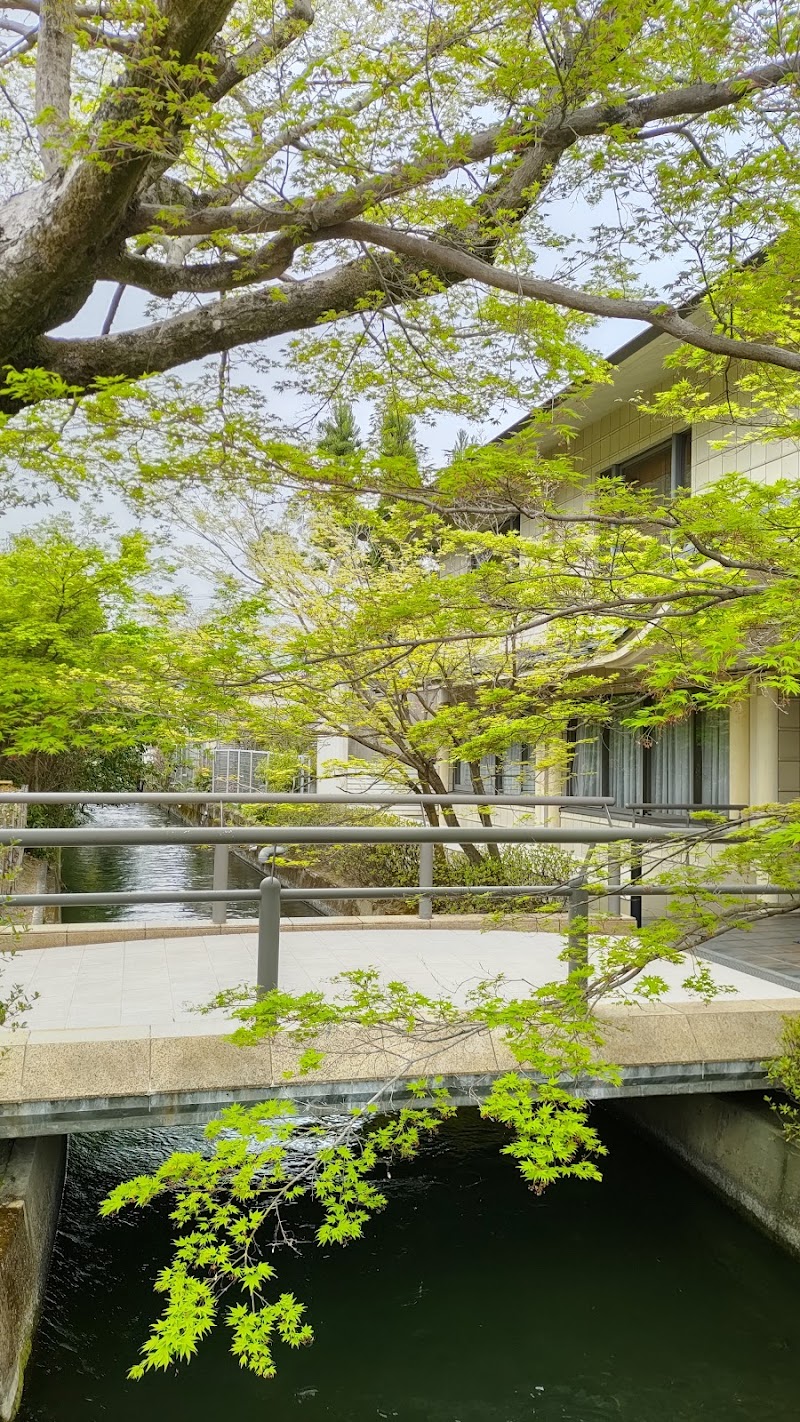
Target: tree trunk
{"x": 480, "y": 789}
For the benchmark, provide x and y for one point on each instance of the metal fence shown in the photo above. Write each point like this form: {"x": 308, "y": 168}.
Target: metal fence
{"x": 271, "y": 894}
{"x": 228, "y": 768}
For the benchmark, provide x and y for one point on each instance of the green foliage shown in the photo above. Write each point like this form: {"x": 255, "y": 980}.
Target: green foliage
{"x": 783, "y": 1072}
{"x": 231, "y": 1200}
{"x": 339, "y": 435}
{"x": 396, "y": 438}
{"x": 97, "y": 660}
{"x": 82, "y": 643}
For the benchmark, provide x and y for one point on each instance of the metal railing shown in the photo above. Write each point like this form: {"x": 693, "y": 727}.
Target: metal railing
{"x": 271, "y": 893}
{"x": 371, "y": 799}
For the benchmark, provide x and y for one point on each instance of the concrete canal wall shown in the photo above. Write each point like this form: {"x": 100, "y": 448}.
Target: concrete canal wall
{"x": 31, "y": 1182}
{"x": 736, "y": 1143}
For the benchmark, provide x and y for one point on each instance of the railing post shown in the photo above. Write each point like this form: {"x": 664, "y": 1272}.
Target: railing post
{"x": 269, "y": 935}
{"x": 426, "y": 879}
{"x": 637, "y": 869}
{"x": 219, "y": 911}
{"x": 578, "y": 925}
{"x": 614, "y": 881}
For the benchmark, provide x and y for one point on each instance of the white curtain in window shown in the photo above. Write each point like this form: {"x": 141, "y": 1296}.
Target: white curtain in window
{"x": 625, "y": 765}
{"x": 461, "y": 777}
{"x": 587, "y": 760}
{"x": 488, "y": 769}
{"x": 528, "y": 770}
{"x": 671, "y": 764}
{"x": 512, "y": 769}
{"x": 713, "y": 741}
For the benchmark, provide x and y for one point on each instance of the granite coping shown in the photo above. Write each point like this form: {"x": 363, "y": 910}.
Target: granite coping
{"x": 119, "y": 1062}
{"x": 67, "y": 935}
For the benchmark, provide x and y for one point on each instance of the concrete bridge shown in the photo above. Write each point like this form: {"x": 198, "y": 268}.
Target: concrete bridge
{"x": 114, "y": 1038}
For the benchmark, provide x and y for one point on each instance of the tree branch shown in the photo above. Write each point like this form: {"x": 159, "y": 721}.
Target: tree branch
{"x": 53, "y": 89}
{"x": 537, "y": 146}
{"x": 653, "y": 313}
{"x": 162, "y": 279}
{"x": 52, "y": 233}
{"x": 232, "y": 70}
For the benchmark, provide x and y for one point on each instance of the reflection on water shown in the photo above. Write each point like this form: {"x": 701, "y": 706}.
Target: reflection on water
{"x": 114, "y": 868}
{"x": 644, "y": 1299}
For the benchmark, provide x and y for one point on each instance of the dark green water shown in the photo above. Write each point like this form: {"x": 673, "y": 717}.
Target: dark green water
{"x": 113, "y": 868}
{"x": 644, "y": 1299}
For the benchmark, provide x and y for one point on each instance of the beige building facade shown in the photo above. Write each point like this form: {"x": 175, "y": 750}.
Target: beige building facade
{"x": 748, "y": 756}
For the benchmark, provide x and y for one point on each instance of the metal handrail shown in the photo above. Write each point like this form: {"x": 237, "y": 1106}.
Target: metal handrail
{"x": 131, "y": 897}
{"x": 271, "y": 893}
{"x": 342, "y": 834}
{"x": 690, "y": 805}
{"x": 276, "y": 797}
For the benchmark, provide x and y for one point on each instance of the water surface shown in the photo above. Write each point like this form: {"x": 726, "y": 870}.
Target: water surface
{"x": 644, "y": 1299}
{"x": 114, "y": 868}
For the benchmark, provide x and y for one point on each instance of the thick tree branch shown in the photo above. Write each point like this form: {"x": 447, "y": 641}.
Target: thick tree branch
{"x": 53, "y": 89}
{"x": 51, "y": 235}
{"x": 232, "y": 70}
{"x": 536, "y": 146}
{"x": 241, "y": 319}
{"x": 437, "y": 256}
{"x": 56, "y": 240}
{"x": 163, "y": 279}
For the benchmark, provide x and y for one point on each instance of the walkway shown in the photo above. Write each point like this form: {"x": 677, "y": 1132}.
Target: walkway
{"x": 770, "y": 948}
{"x": 114, "y": 1037}
{"x": 160, "y": 982}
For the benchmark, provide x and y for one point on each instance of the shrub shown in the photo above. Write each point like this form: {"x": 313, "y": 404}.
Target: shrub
{"x": 367, "y": 865}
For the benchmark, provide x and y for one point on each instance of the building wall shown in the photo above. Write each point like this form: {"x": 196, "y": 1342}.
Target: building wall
{"x": 625, "y": 432}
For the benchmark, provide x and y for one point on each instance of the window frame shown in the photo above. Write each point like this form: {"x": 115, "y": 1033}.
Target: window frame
{"x": 680, "y": 469}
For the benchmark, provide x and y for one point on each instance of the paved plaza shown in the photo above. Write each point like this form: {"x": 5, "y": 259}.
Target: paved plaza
{"x": 770, "y": 948}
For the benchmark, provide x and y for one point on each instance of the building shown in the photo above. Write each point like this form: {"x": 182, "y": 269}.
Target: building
{"x": 750, "y": 755}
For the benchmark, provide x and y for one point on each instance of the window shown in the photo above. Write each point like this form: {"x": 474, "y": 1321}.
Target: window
{"x": 589, "y": 770}
{"x": 518, "y": 770}
{"x": 462, "y": 780}
{"x": 669, "y": 765}
{"x": 512, "y": 773}
{"x": 625, "y": 764}
{"x": 661, "y": 470}
{"x": 651, "y": 471}
{"x": 683, "y": 763}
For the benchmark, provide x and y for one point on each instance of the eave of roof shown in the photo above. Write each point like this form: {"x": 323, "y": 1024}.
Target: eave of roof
{"x": 593, "y": 401}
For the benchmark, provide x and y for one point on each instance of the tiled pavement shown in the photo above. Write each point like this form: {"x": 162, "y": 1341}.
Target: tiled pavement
{"x": 160, "y": 982}
{"x": 770, "y": 948}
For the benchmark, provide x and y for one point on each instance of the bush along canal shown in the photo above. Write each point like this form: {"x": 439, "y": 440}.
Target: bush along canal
{"x": 644, "y": 1298}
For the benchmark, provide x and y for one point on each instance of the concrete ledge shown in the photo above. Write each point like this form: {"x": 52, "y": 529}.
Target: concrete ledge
{"x": 659, "y": 1049}
{"x": 73, "y": 935}
{"x": 172, "y": 1108}
{"x": 30, "y": 1198}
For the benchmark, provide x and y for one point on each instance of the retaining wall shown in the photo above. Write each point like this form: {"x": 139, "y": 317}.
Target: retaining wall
{"x": 736, "y": 1143}
{"x": 30, "y": 1198}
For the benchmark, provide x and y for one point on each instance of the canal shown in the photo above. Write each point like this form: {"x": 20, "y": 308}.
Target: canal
{"x": 642, "y": 1299}
{"x": 109, "y": 868}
